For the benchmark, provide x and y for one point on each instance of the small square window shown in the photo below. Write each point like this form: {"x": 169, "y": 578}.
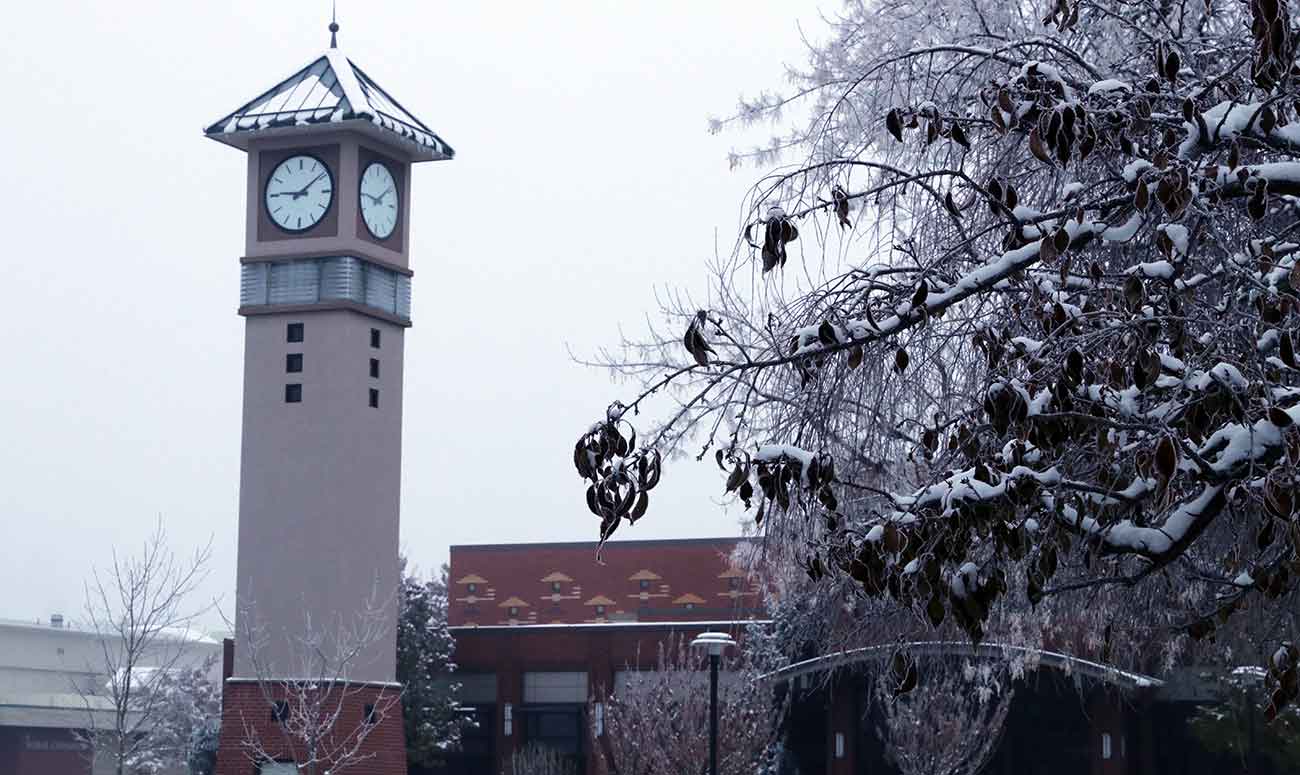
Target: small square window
{"x": 514, "y": 612}
{"x": 374, "y": 398}
{"x": 555, "y": 586}
{"x": 368, "y": 715}
{"x": 293, "y": 363}
{"x": 293, "y": 393}
{"x": 374, "y": 368}
{"x": 600, "y": 610}
{"x": 645, "y": 584}
{"x": 733, "y": 583}
{"x": 280, "y": 711}
{"x": 690, "y": 606}
{"x": 294, "y": 332}
{"x": 473, "y": 587}
{"x": 374, "y": 337}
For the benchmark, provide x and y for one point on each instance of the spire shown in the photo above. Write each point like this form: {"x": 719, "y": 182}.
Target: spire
{"x": 334, "y": 25}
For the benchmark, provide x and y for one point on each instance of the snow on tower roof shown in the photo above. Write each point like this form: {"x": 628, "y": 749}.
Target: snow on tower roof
{"x": 330, "y": 90}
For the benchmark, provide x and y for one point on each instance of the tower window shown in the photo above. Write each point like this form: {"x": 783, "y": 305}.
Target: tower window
{"x": 293, "y": 393}
{"x": 374, "y": 368}
{"x": 294, "y": 332}
{"x": 374, "y": 338}
{"x": 293, "y": 363}
{"x": 374, "y": 398}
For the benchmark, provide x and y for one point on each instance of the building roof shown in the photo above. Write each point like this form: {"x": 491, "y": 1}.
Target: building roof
{"x": 329, "y": 91}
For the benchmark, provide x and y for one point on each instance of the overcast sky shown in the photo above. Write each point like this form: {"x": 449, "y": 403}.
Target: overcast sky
{"x": 123, "y": 351}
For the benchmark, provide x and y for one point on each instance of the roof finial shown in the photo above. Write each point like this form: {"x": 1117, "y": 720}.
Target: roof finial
{"x": 334, "y": 25}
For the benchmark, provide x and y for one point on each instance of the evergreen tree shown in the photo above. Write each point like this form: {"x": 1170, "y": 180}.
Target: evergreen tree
{"x": 424, "y": 667}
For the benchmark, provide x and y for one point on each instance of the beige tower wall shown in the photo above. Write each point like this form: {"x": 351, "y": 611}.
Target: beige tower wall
{"x": 319, "y": 490}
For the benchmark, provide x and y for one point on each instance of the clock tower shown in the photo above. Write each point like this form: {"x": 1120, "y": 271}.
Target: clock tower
{"x": 325, "y": 290}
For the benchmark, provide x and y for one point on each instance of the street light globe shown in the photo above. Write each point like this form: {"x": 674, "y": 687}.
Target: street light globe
{"x": 714, "y": 642}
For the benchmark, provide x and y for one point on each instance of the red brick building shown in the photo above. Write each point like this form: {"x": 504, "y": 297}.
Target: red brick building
{"x": 540, "y": 628}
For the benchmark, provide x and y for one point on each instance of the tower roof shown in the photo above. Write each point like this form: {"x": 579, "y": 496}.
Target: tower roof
{"x": 328, "y": 92}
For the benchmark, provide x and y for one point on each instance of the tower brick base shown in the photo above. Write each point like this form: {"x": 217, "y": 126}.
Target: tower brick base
{"x": 247, "y": 715}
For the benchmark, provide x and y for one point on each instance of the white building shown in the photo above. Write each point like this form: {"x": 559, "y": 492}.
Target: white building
{"x": 42, "y": 664}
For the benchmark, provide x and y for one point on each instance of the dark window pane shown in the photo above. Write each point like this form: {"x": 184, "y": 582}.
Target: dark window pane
{"x": 294, "y": 333}
{"x": 293, "y": 394}
{"x": 293, "y": 363}
{"x": 374, "y": 398}
{"x": 280, "y": 711}
{"x": 374, "y": 368}
{"x": 374, "y": 337}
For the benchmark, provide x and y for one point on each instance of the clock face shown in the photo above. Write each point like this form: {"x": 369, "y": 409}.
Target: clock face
{"x": 299, "y": 192}
{"x": 379, "y": 205}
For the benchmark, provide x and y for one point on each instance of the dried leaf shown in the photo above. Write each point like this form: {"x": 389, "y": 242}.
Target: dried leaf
{"x": 894, "y": 123}
{"x": 1166, "y": 458}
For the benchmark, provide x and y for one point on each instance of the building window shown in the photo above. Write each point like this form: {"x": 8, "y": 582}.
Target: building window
{"x": 690, "y": 606}
{"x": 280, "y": 711}
{"x": 374, "y": 338}
{"x": 600, "y": 610}
{"x": 374, "y": 368}
{"x": 644, "y": 584}
{"x": 293, "y": 363}
{"x": 514, "y": 612}
{"x": 839, "y": 745}
{"x": 294, "y": 332}
{"x": 293, "y": 393}
{"x": 473, "y": 587}
{"x": 374, "y": 398}
{"x": 1105, "y": 745}
{"x": 733, "y": 583}
{"x": 508, "y": 717}
{"x": 555, "y": 586}
{"x": 368, "y": 715}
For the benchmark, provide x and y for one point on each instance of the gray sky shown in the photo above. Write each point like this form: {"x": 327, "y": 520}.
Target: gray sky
{"x": 123, "y": 350}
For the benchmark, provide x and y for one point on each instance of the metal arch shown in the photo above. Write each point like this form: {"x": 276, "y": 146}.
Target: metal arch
{"x": 1063, "y": 662}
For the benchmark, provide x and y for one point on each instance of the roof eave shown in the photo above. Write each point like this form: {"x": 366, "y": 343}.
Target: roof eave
{"x": 411, "y": 150}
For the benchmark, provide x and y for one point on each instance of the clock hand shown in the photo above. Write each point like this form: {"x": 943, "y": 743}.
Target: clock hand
{"x": 303, "y": 191}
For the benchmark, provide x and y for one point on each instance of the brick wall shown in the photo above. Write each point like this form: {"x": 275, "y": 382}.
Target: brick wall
{"x": 246, "y": 712}
{"x": 562, "y": 583}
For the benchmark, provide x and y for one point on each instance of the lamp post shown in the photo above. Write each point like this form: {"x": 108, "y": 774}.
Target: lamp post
{"x": 714, "y": 643}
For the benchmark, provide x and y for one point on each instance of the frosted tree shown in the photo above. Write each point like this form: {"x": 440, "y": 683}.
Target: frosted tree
{"x": 1013, "y": 320}
{"x": 942, "y": 717}
{"x": 141, "y": 611}
{"x": 537, "y": 759}
{"x": 189, "y": 717}
{"x": 656, "y": 722}
{"x": 1237, "y": 727}
{"x": 425, "y": 669}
